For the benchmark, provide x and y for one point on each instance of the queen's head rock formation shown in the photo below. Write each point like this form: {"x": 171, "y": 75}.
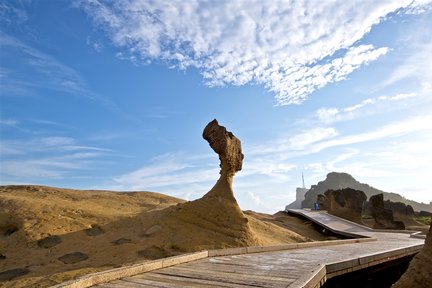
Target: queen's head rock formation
{"x": 228, "y": 147}
{"x": 217, "y": 212}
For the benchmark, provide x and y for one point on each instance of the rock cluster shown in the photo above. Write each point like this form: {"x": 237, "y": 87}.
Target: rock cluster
{"x": 383, "y": 217}
{"x": 345, "y": 203}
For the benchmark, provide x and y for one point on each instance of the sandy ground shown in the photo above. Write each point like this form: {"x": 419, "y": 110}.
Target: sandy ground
{"x": 111, "y": 229}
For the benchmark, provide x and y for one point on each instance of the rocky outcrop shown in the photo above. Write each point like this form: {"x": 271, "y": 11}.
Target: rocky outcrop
{"x": 337, "y": 180}
{"x": 383, "y": 217}
{"x": 401, "y": 212}
{"x": 418, "y": 274}
{"x": 399, "y": 208}
{"x": 345, "y": 203}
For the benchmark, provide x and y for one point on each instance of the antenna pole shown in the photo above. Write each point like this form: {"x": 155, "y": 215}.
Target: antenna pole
{"x": 303, "y": 180}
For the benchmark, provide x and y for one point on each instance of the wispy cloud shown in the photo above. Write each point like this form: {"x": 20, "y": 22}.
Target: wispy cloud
{"x": 276, "y": 44}
{"x": 419, "y": 123}
{"x": 333, "y": 114}
{"x": 9, "y": 122}
{"x": 11, "y": 14}
{"x": 41, "y": 71}
{"x": 45, "y": 158}
{"x": 175, "y": 174}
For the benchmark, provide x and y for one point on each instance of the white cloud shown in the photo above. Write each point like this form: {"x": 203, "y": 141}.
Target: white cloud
{"x": 44, "y": 158}
{"x": 419, "y": 123}
{"x": 300, "y": 141}
{"x": 403, "y": 96}
{"x": 291, "y": 48}
{"x": 169, "y": 172}
{"x": 331, "y": 115}
{"x": 328, "y": 115}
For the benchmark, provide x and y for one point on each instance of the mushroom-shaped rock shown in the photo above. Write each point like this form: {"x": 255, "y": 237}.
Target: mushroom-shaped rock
{"x": 215, "y": 219}
{"x": 228, "y": 147}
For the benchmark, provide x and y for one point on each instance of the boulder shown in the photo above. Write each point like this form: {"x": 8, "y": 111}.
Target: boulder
{"x": 345, "y": 203}
{"x": 383, "y": 217}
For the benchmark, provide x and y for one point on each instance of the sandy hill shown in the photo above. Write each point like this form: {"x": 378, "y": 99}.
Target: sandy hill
{"x": 335, "y": 180}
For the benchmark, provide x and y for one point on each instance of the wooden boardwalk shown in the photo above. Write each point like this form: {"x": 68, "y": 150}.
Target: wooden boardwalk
{"x": 305, "y": 267}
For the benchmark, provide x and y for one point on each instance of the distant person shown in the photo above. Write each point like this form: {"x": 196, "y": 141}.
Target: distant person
{"x": 316, "y": 206}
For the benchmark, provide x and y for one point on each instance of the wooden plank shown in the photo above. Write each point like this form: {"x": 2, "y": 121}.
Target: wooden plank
{"x": 286, "y": 273}
{"x": 248, "y": 279}
{"x": 259, "y": 269}
{"x": 120, "y": 284}
{"x": 139, "y": 282}
{"x": 187, "y": 282}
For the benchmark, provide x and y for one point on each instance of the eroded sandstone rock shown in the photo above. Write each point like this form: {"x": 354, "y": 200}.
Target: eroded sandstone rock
{"x": 73, "y": 258}
{"x": 217, "y": 213}
{"x": 13, "y": 273}
{"x": 226, "y": 145}
{"x": 383, "y": 217}
{"x": 345, "y": 203}
{"x": 418, "y": 274}
{"x": 49, "y": 241}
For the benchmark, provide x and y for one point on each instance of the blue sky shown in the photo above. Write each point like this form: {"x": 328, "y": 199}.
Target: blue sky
{"x": 115, "y": 94}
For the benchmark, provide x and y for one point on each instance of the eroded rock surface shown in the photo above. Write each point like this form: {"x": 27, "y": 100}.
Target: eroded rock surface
{"x": 418, "y": 274}
{"x": 13, "y": 273}
{"x": 49, "y": 241}
{"x": 73, "y": 258}
{"x": 228, "y": 147}
{"x": 345, "y": 203}
{"x": 383, "y": 217}
{"x": 94, "y": 230}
